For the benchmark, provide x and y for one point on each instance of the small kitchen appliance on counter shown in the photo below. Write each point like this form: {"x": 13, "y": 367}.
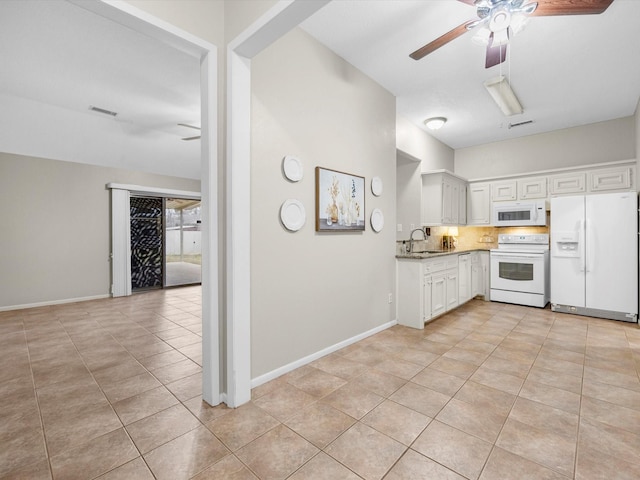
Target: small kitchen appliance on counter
{"x": 520, "y": 269}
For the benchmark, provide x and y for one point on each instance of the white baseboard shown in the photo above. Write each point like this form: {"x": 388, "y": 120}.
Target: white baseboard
{"x": 256, "y": 382}
{"x": 53, "y": 302}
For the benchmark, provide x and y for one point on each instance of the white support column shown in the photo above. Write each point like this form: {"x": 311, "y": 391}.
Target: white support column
{"x": 210, "y": 254}
{"x": 239, "y": 231}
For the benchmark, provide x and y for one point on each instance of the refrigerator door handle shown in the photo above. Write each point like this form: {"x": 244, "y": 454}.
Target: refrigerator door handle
{"x": 589, "y": 246}
{"x": 581, "y": 246}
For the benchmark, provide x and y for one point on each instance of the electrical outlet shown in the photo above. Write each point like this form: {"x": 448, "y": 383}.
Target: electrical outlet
{"x": 399, "y": 227}
{"x": 413, "y": 225}
{"x": 390, "y": 297}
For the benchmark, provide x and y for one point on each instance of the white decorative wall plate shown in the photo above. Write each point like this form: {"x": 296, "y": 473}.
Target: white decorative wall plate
{"x": 292, "y": 168}
{"x": 293, "y": 215}
{"x": 377, "y": 220}
{"x": 376, "y": 186}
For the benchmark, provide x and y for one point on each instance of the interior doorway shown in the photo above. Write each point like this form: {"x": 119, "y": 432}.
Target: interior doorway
{"x": 166, "y": 242}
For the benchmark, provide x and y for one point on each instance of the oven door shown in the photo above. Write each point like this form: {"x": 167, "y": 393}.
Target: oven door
{"x": 518, "y": 272}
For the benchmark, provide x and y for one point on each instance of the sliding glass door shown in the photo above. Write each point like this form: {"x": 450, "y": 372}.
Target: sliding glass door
{"x": 166, "y": 242}
{"x": 183, "y": 242}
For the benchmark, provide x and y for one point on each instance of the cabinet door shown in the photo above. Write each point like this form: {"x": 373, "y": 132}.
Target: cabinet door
{"x": 462, "y": 204}
{"x": 504, "y": 191}
{"x": 610, "y": 179}
{"x": 464, "y": 283}
{"x": 438, "y": 294}
{"x": 479, "y": 204}
{"x": 452, "y": 289}
{"x": 455, "y": 203}
{"x": 484, "y": 275}
{"x": 426, "y": 298}
{"x": 530, "y": 188}
{"x": 447, "y": 200}
{"x": 568, "y": 183}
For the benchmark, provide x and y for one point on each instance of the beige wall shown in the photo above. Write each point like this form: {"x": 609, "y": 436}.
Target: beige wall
{"x": 56, "y": 231}
{"x": 588, "y": 144}
{"x": 312, "y": 290}
{"x": 203, "y": 18}
{"x": 408, "y": 196}
{"x": 415, "y": 142}
{"x": 637, "y": 132}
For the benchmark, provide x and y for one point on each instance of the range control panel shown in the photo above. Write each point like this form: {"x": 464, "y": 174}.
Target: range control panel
{"x": 529, "y": 239}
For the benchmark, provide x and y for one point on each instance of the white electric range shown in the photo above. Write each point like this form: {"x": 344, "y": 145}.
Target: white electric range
{"x": 520, "y": 269}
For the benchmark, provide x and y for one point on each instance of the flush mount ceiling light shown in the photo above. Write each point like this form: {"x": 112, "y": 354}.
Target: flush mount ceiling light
{"x": 435, "y": 123}
{"x": 501, "y": 92}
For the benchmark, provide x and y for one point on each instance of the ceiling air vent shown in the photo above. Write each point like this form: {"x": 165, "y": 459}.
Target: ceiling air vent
{"x": 102, "y": 110}
{"x": 511, "y": 125}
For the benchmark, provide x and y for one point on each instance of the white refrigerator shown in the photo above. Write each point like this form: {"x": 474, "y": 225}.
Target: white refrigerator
{"x": 594, "y": 255}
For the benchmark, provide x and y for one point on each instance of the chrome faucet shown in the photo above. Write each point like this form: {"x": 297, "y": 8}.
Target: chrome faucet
{"x": 424, "y": 237}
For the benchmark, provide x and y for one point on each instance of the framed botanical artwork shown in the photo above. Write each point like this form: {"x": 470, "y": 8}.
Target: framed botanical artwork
{"x": 339, "y": 201}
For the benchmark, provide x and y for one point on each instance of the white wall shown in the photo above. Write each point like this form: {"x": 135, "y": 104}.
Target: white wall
{"x": 637, "y": 132}
{"x": 588, "y": 144}
{"x": 311, "y": 290}
{"x": 56, "y": 226}
{"x": 416, "y": 143}
{"x": 408, "y": 196}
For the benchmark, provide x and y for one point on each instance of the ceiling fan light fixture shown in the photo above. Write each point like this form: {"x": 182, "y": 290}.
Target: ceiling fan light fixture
{"x": 435, "y": 123}
{"x": 501, "y": 92}
{"x": 483, "y": 37}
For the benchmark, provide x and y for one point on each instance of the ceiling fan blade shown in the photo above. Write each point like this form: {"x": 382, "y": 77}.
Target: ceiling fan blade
{"x": 468, "y": 2}
{"x": 191, "y": 138}
{"x": 495, "y": 55}
{"x": 548, "y": 8}
{"x": 188, "y": 126}
{"x": 439, "y": 42}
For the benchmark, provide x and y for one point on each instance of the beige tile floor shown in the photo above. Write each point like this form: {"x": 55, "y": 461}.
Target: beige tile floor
{"x": 111, "y": 389}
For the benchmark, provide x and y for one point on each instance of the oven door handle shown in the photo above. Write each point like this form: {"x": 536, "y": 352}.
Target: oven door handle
{"x": 515, "y": 256}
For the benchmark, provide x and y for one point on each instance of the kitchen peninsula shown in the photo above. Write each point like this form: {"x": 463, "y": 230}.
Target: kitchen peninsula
{"x": 431, "y": 283}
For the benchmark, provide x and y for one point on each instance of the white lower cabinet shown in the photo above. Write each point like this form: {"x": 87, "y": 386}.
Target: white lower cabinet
{"x": 438, "y": 285}
{"x": 428, "y": 288}
{"x": 465, "y": 292}
{"x": 480, "y": 274}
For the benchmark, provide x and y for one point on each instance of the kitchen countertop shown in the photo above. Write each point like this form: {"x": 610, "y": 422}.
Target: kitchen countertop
{"x": 440, "y": 253}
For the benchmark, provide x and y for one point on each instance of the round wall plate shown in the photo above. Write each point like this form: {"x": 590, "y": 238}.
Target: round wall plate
{"x": 293, "y": 215}
{"x": 292, "y": 168}
{"x": 377, "y": 220}
{"x": 376, "y": 186}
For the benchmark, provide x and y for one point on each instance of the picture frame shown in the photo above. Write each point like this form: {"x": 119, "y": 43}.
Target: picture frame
{"x": 339, "y": 201}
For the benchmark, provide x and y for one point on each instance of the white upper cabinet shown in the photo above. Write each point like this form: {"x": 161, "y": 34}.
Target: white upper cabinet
{"x": 504, "y": 191}
{"x": 532, "y": 188}
{"x": 443, "y": 199}
{"x": 611, "y": 179}
{"x": 568, "y": 183}
{"x": 479, "y": 204}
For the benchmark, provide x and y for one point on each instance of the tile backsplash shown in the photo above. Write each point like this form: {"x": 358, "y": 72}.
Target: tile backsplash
{"x": 471, "y": 237}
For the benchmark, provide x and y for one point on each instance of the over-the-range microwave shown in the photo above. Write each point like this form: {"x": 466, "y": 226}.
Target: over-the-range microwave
{"x": 519, "y": 214}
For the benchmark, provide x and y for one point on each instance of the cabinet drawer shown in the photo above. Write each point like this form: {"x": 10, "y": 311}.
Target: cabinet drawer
{"x": 452, "y": 262}
{"x": 435, "y": 265}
